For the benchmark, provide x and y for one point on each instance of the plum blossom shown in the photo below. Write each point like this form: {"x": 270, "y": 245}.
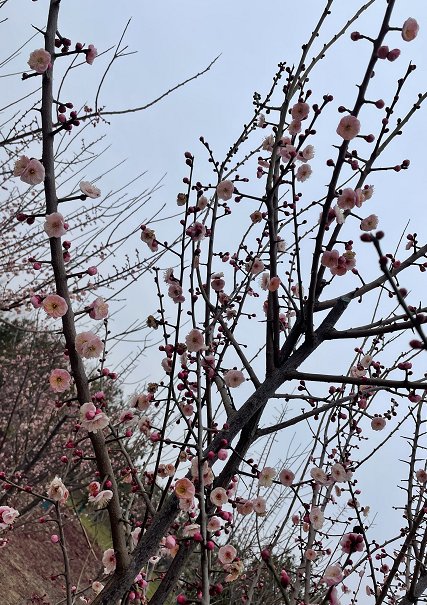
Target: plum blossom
{"x": 225, "y": 190}
{"x": 57, "y": 491}
{"x": 234, "y": 378}
{"x": 195, "y": 341}
{"x": 59, "y": 380}
{"x": 318, "y": 475}
{"x": 294, "y": 127}
{"x": 141, "y": 401}
{"x": 307, "y": 153}
{"x": 190, "y": 530}
{"x": 89, "y": 190}
{"x": 88, "y": 345}
{"x": 347, "y": 199}
{"x": 268, "y": 142}
{"x": 148, "y": 236}
{"x": 202, "y": 202}
{"x": 410, "y": 29}
{"x": 97, "y": 587}
{"x": 421, "y": 476}
{"x": 378, "y": 423}
{"x": 91, "y": 54}
{"x": 219, "y": 496}
{"x": 255, "y": 266}
{"x": 54, "y": 305}
{"x": 286, "y": 477}
{"x": 303, "y": 173}
{"x": 20, "y": 165}
{"x": 227, "y": 554}
{"x": 369, "y": 223}
{"x": 101, "y": 499}
{"x": 310, "y": 554}
{"x": 266, "y": 476}
{"x": 348, "y": 128}
{"x": 54, "y": 225}
{"x": 207, "y": 473}
{"x": 217, "y": 282}
{"x": 300, "y": 111}
{"x": 234, "y": 570}
{"x": 333, "y": 575}
{"x": 7, "y": 516}
{"x": 175, "y": 292}
{"x": 317, "y": 517}
{"x": 184, "y": 489}
{"x": 197, "y": 232}
{"x": 40, "y": 60}
{"x": 339, "y": 474}
{"x": 34, "y": 173}
{"x": 214, "y": 524}
{"x": 245, "y": 507}
{"x": 109, "y": 561}
{"x": 259, "y": 506}
{"x": 351, "y": 543}
{"x": 98, "y": 309}
{"x": 93, "y": 419}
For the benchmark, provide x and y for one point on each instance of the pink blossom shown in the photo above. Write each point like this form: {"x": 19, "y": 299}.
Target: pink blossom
{"x": 266, "y": 476}
{"x": 369, "y": 223}
{"x": 303, "y": 173}
{"x": 255, "y": 266}
{"x": 294, "y": 127}
{"x": 259, "y": 505}
{"x": 54, "y": 305}
{"x": 197, "y": 232}
{"x": 59, "y": 380}
{"x": 217, "y": 282}
{"x": 93, "y": 419}
{"x": 316, "y": 517}
{"x": 421, "y": 475}
{"x": 101, "y": 499}
{"x": 245, "y": 507}
{"x": 141, "y": 401}
{"x": 109, "y": 561}
{"x": 149, "y": 237}
{"x": 310, "y": 554}
{"x": 88, "y": 345}
{"x": 202, "y": 202}
{"x": 190, "y": 530}
{"x": 268, "y": 142}
{"x": 339, "y": 215}
{"x": 97, "y": 587}
{"x": 7, "y": 516}
{"x": 219, "y": 496}
{"x": 234, "y": 570}
{"x": 214, "y": 524}
{"x": 318, "y": 475}
{"x": 378, "y": 423}
{"x": 330, "y": 258}
{"x": 227, "y": 554}
{"x": 54, "y": 225}
{"x": 34, "y": 173}
{"x": 225, "y": 190}
{"x": 307, "y": 153}
{"x": 351, "y": 543}
{"x": 234, "y": 378}
{"x": 348, "y": 128}
{"x": 286, "y": 477}
{"x": 57, "y": 491}
{"x": 195, "y": 341}
{"x": 300, "y": 111}
{"x": 91, "y": 54}
{"x": 93, "y": 488}
{"x": 40, "y": 60}
{"x": 89, "y": 190}
{"x": 333, "y": 575}
{"x": 347, "y": 199}
{"x": 20, "y": 165}
{"x": 339, "y": 474}
{"x": 98, "y": 309}
{"x": 175, "y": 292}
{"x": 184, "y": 489}
{"x": 410, "y": 29}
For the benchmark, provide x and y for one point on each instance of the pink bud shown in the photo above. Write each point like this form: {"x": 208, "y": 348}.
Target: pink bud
{"x": 222, "y": 454}
{"x": 382, "y": 52}
{"x": 54, "y": 538}
{"x": 92, "y": 271}
{"x": 393, "y": 54}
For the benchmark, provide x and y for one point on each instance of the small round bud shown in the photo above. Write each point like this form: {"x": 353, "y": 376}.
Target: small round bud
{"x": 382, "y": 52}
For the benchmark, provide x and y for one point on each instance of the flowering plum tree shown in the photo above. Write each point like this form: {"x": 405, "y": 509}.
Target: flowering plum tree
{"x": 274, "y": 292}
